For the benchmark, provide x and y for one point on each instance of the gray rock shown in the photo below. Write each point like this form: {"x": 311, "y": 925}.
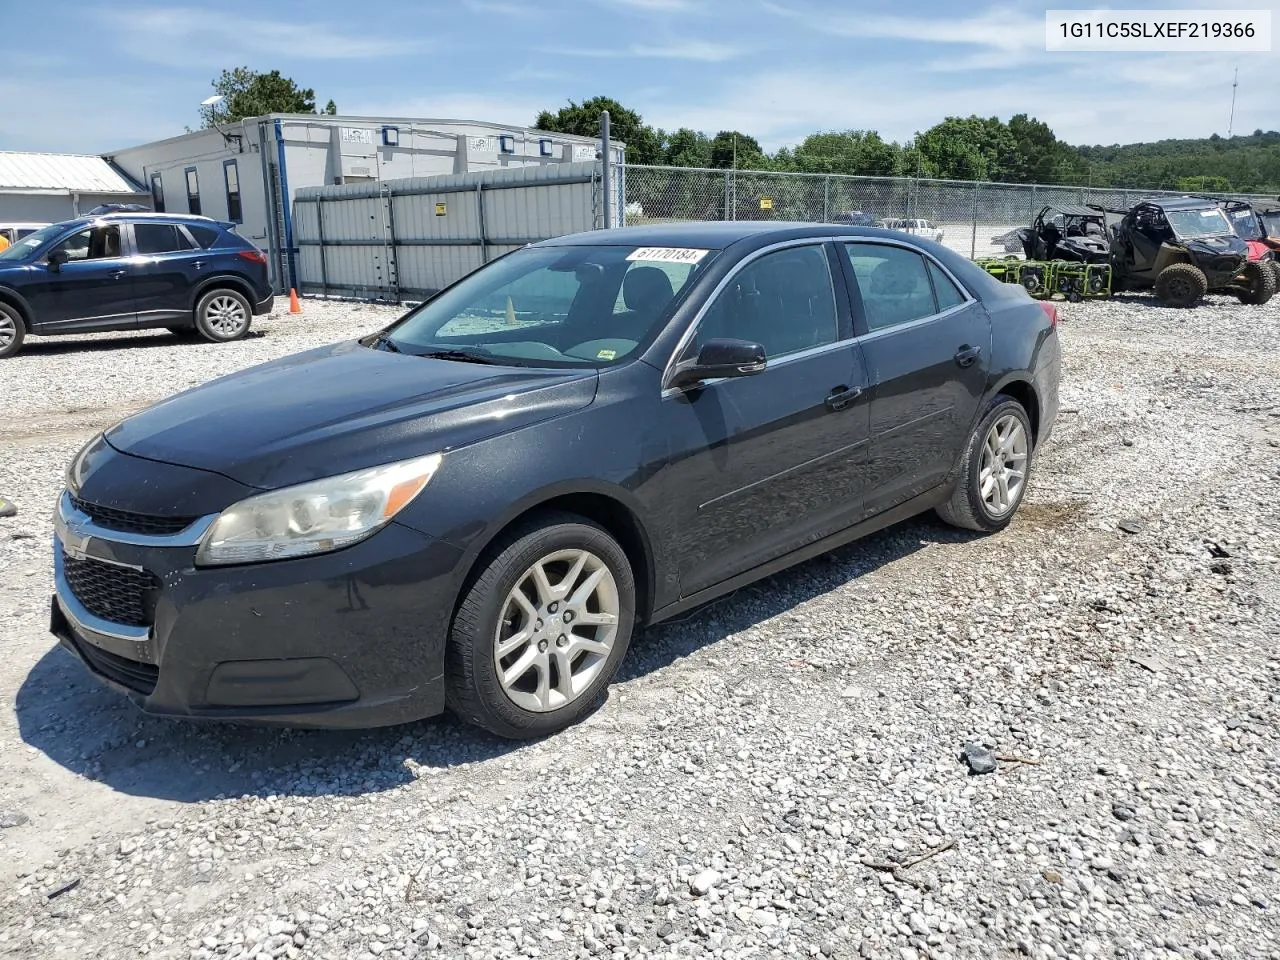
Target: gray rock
{"x": 979, "y": 758}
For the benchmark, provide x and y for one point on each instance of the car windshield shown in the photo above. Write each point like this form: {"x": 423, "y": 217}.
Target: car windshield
{"x": 572, "y": 306}
{"x": 1271, "y": 220}
{"x": 27, "y": 245}
{"x": 1190, "y": 224}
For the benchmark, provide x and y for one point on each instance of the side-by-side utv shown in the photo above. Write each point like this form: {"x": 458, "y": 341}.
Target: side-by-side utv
{"x": 1182, "y": 248}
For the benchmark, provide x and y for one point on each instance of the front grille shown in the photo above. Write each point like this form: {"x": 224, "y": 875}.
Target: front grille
{"x": 141, "y": 677}
{"x": 127, "y": 522}
{"x": 113, "y": 593}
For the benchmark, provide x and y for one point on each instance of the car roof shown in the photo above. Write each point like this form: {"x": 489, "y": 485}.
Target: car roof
{"x": 137, "y": 215}
{"x": 715, "y": 234}
{"x": 1179, "y": 203}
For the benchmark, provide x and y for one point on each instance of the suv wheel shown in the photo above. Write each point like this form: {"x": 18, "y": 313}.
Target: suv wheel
{"x": 1259, "y": 284}
{"x": 223, "y": 315}
{"x": 12, "y": 331}
{"x": 994, "y": 471}
{"x": 540, "y": 633}
{"x": 1181, "y": 285}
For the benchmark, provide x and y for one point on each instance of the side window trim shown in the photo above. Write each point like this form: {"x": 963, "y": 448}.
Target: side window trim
{"x": 861, "y": 329}
{"x": 687, "y": 337}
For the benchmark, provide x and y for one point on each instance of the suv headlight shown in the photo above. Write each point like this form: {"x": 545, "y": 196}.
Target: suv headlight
{"x": 314, "y": 517}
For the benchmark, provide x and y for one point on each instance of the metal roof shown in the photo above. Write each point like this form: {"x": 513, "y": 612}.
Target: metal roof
{"x": 60, "y": 173}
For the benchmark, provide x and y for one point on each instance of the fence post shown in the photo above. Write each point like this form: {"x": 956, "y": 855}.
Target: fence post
{"x": 726, "y": 196}
{"x": 324, "y": 266}
{"x": 484, "y": 237}
{"x": 826, "y": 199}
{"x": 393, "y": 269}
{"x": 973, "y": 236}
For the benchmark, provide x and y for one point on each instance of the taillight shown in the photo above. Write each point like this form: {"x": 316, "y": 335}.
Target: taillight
{"x": 257, "y": 256}
{"x": 1051, "y": 311}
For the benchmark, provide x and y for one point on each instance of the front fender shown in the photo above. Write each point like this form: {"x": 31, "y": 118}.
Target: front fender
{"x": 13, "y": 297}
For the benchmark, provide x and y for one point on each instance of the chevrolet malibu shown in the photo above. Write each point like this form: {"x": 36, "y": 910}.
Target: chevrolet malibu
{"x": 476, "y": 507}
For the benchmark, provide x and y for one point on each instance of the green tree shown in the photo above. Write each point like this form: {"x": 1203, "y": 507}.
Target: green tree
{"x": 859, "y": 152}
{"x": 970, "y": 148}
{"x": 687, "y": 148}
{"x": 248, "y": 93}
{"x": 330, "y": 109}
{"x": 730, "y": 148}
{"x": 644, "y": 144}
{"x": 1204, "y": 184}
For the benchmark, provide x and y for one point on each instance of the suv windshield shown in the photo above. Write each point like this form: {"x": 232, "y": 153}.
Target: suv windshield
{"x": 1191, "y": 224}
{"x": 23, "y": 248}
{"x": 1271, "y": 222}
{"x": 574, "y": 306}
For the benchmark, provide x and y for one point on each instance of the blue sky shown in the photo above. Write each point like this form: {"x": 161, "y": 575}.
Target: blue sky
{"x": 95, "y": 76}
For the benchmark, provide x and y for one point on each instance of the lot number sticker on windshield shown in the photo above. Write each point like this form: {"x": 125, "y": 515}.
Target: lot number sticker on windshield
{"x": 668, "y": 254}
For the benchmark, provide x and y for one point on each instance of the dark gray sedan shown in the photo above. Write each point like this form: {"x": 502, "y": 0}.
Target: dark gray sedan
{"x": 476, "y": 507}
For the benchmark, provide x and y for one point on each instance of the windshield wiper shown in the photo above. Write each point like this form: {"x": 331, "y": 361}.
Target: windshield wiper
{"x": 382, "y": 340}
{"x": 462, "y": 356}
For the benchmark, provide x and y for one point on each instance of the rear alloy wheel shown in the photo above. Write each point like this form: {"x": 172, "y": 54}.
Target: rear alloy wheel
{"x": 540, "y": 633}
{"x": 12, "y": 331}
{"x": 1181, "y": 285}
{"x": 1259, "y": 284}
{"x": 223, "y": 315}
{"x": 994, "y": 470}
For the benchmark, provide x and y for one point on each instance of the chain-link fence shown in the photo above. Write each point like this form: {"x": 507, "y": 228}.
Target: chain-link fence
{"x": 969, "y": 217}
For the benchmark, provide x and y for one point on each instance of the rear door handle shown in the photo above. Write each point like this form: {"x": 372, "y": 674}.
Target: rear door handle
{"x": 197, "y": 264}
{"x": 117, "y": 274}
{"x": 966, "y": 355}
{"x": 841, "y": 397}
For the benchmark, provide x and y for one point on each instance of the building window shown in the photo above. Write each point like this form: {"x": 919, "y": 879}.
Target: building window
{"x": 546, "y": 147}
{"x": 193, "y": 191}
{"x": 391, "y": 136}
{"x": 231, "y": 174}
{"x": 507, "y": 143}
{"x": 157, "y": 193}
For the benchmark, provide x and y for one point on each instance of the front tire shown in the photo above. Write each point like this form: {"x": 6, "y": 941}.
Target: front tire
{"x": 1260, "y": 284}
{"x": 223, "y": 315}
{"x": 13, "y": 330}
{"x": 1181, "y": 285}
{"x": 994, "y": 470}
{"x": 540, "y": 632}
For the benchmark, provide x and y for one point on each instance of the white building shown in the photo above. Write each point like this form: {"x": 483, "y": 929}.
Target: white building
{"x": 247, "y": 172}
{"x": 50, "y": 187}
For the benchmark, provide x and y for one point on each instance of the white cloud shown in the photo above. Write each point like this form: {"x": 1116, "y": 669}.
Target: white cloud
{"x": 999, "y": 28}
{"x": 184, "y": 35}
{"x": 692, "y": 50}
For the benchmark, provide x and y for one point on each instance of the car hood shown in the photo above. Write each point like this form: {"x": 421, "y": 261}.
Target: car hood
{"x": 340, "y": 408}
{"x": 1218, "y": 246}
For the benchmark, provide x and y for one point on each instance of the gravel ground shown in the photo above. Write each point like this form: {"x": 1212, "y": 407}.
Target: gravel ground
{"x": 776, "y": 775}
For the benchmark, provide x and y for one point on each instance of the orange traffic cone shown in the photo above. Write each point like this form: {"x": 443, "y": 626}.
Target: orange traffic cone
{"x": 294, "y": 305}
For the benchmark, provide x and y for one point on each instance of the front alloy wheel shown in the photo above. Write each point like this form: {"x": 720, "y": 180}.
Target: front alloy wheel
{"x": 557, "y": 630}
{"x": 540, "y": 631}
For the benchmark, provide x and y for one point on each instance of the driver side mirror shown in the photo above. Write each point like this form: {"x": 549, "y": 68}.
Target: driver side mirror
{"x": 56, "y": 259}
{"x": 720, "y": 358}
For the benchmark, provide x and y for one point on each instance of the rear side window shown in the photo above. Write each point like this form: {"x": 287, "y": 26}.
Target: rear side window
{"x": 159, "y": 238}
{"x": 947, "y": 293}
{"x": 893, "y": 282}
{"x": 205, "y": 236}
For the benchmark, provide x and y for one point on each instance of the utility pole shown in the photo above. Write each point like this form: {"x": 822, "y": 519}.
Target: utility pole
{"x": 1235, "y": 82}
{"x": 606, "y": 175}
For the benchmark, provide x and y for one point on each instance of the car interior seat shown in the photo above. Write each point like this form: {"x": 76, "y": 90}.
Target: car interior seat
{"x": 646, "y": 292}
{"x": 897, "y": 291}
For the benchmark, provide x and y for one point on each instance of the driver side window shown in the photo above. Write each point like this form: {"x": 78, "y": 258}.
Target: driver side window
{"x": 96, "y": 243}
{"x": 784, "y": 301}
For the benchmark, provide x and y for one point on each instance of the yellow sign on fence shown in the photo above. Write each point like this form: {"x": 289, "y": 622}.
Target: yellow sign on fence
{"x": 766, "y": 203}
{"x": 440, "y": 210}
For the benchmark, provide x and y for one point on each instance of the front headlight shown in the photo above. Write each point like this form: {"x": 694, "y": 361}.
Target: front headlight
{"x": 314, "y": 517}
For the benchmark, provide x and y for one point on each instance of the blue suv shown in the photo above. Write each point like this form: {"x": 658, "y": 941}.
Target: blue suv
{"x": 132, "y": 271}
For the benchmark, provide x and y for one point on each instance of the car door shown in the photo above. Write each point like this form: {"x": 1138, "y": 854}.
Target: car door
{"x": 763, "y": 464}
{"x": 167, "y": 265}
{"x": 92, "y": 290}
{"x": 927, "y": 345}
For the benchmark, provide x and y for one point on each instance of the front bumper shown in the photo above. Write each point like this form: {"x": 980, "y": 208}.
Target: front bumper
{"x": 347, "y": 639}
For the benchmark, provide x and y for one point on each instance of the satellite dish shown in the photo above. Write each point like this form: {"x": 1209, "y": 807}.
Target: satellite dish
{"x": 210, "y": 101}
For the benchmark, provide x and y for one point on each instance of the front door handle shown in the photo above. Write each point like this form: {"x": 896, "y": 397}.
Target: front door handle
{"x": 117, "y": 274}
{"x": 842, "y": 396}
{"x": 966, "y": 355}
{"x": 197, "y": 264}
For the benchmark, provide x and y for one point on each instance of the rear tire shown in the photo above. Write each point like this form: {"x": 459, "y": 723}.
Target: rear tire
{"x": 1181, "y": 285}
{"x": 223, "y": 315}
{"x": 994, "y": 470}
{"x": 1260, "y": 284}
{"x": 13, "y": 330}
{"x": 531, "y": 653}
